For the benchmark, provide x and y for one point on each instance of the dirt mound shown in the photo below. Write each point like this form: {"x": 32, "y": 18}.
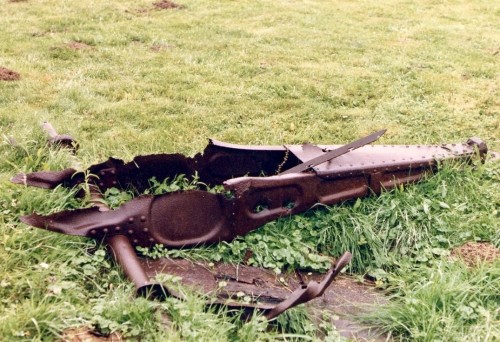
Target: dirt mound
{"x": 8, "y": 75}
{"x": 166, "y": 4}
{"x": 160, "y": 47}
{"x": 473, "y": 253}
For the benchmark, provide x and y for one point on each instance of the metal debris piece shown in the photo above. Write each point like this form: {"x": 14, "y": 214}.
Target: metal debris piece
{"x": 259, "y": 192}
{"x": 56, "y": 139}
{"x": 188, "y": 218}
{"x": 325, "y": 157}
{"x": 244, "y": 286}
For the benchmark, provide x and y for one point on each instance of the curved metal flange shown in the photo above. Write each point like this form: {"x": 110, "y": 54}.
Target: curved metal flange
{"x": 239, "y": 286}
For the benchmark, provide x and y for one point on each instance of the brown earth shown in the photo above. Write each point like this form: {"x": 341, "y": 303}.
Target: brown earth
{"x": 160, "y": 47}
{"x": 8, "y": 75}
{"x": 166, "y": 4}
{"x": 474, "y": 253}
{"x": 83, "y": 334}
{"x": 77, "y": 46}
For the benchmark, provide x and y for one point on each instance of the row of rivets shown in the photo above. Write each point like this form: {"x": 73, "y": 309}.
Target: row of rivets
{"x": 111, "y": 171}
{"x": 101, "y": 184}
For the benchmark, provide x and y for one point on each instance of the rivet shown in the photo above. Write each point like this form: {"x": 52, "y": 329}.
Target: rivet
{"x": 131, "y": 220}
{"x": 101, "y": 184}
{"x": 145, "y": 230}
{"x": 151, "y": 240}
{"x": 113, "y": 172}
{"x": 103, "y": 173}
{"x": 105, "y": 230}
{"x": 117, "y": 228}
{"x": 92, "y": 232}
{"x": 115, "y": 182}
{"x": 135, "y": 241}
{"x": 131, "y": 231}
{"x": 143, "y": 218}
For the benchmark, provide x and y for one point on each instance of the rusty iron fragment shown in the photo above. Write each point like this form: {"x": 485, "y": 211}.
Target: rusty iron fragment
{"x": 61, "y": 140}
{"x": 244, "y": 287}
{"x": 263, "y": 183}
{"x": 241, "y": 286}
{"x": 189, "y": 218}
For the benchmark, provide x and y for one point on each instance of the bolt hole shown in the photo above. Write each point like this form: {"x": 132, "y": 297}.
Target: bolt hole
{"x": 289, "y": 204}
{"x": 260, "y": 207}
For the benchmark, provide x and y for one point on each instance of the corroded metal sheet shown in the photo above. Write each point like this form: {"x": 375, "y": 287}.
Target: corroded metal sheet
{"x": 243, "y": 286}
{"x": 188, "y": 218}
{"x": 260, "y": 190}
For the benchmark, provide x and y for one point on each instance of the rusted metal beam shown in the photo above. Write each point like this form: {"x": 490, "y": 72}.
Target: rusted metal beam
{"x": 259, "y": 192}
{"x": 188, "y": 218}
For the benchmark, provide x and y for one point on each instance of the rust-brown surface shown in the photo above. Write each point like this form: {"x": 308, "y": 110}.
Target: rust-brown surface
{"x": 83, "y": 334}
{"x": 244, "y": 286}
{"x": 8, "y": 75}
{"x": 248, "y": 173}
{"x": 474, "y": 253}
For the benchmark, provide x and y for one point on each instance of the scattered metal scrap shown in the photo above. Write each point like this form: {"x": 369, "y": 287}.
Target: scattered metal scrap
{"x": 264, "y": 183}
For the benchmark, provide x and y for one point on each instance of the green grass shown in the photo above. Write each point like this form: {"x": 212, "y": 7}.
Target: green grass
{"x": 253, "y": 72}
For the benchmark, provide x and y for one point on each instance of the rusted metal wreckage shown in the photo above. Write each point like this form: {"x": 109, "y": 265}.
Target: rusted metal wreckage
{"x": 264, "y": 183}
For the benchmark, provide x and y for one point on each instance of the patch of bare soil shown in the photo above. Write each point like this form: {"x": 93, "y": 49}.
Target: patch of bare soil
{"x": 346, "y": 299}
{"x": 160, "y": 47}
{"x": 77, "y": 46}
{"x": 473, "y": 253}
{"x": 166, "y": 4}
{"x": 8, "y": 75}
{"x": 83, "y": 334}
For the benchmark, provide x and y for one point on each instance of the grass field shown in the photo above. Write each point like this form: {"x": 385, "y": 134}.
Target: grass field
{"x": 126, "y": 78}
